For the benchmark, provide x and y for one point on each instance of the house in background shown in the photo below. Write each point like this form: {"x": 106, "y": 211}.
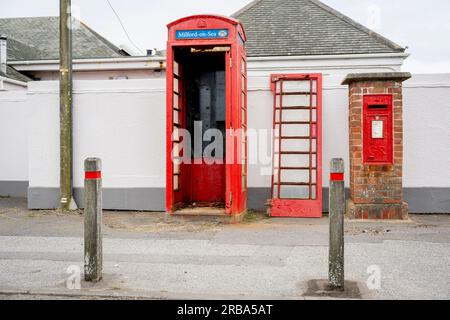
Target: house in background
{"x": 301, "y": 35}
{"x": 307, "y": 28}
{"x": 292, "y": 34}
{"x": 32, "y": 47}
{"x": 307, "y": 36}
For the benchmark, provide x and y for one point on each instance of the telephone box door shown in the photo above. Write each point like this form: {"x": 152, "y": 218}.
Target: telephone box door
{"x": 237, "y": 150}
{"x": 178, "y": 121}
{"x": 243, "y": 138}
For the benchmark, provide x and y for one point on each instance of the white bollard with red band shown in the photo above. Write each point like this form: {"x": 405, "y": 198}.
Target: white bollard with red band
{"x": 93, "y": 256}
{"x": 337, "y": 210}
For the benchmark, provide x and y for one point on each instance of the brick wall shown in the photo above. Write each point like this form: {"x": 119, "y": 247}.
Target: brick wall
{"x": 375, "y": 184}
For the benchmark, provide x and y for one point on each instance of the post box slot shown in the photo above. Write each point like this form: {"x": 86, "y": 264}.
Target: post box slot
{"x": 377, "y": 107}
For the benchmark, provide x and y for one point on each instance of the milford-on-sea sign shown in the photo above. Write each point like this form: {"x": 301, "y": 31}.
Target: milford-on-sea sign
{"x": 202, "y": 34}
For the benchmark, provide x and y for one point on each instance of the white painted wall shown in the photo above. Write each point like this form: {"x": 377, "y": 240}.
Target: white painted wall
{"x": 426, "y": 127}
{"x": 43, "y": 141}
{"x": 335, "y": 122}
{"x": 13, "y": 136}
{"x": 427, "y": 131}
{"x": 7, "y": 84}
{"x": 335, "y": 99}
{"x": 122, "y": 122}
{"x": 426, "y": 121}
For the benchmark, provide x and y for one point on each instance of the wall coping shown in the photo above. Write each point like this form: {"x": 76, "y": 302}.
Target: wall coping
{"x": 377, "y": 76}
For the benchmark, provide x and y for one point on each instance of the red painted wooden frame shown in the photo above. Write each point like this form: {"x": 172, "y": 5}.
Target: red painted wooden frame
{"x": 378, "y": 151}
{"x": 299, "y": 208}
{"x": 236, "y": 61}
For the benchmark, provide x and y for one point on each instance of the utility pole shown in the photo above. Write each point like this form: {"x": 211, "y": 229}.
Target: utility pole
{"x": 65, "y": 113}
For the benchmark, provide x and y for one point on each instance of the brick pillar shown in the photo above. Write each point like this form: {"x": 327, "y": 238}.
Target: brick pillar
{"x": 376, "y": 189}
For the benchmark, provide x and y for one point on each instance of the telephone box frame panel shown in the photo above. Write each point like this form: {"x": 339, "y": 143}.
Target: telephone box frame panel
{"x": 208, "y": 31}
{"x": 297, "y": 207}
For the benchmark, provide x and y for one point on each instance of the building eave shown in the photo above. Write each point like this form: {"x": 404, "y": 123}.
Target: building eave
{"x": 401, "y": 55}
{"x": 125, "y": 63}
{"x": 153, "y": 63}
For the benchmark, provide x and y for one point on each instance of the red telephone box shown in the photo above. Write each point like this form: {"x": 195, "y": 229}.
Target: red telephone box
{"x": 206, "y": 92}
{"x": 377, "y": 129}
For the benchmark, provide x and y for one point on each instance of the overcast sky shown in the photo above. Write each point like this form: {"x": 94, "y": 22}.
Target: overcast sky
{"x": 423, "y": 26}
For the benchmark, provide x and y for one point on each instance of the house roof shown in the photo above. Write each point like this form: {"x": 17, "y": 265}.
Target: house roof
{"x": 37, "y": 38}
{"x": 20, "y": 51}
{"x": 306, "y": 27}
{"x": 13, "y": 74}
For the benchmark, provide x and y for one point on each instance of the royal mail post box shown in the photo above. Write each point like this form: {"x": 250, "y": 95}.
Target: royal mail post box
{"x": 377, "y": 130}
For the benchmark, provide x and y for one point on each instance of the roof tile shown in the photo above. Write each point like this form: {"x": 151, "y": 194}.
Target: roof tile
{"x": 37, "y": 38}
{"x": 306, "y": 27}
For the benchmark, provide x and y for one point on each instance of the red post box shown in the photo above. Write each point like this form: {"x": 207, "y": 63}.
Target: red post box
{"x": 376, "y": 145}
{"x": 377, "y": 129}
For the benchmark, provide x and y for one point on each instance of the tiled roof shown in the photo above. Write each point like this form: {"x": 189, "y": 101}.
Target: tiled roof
{"x": 20, "y": 51}
{"x": 13, "y": 74}
{"x": 306, "y": 27}
{"x": 38, "y": 39}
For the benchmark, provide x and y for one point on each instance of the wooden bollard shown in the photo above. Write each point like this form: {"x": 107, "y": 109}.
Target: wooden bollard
{"x": 337, "y": 210}
{"x": 93, "y": 258}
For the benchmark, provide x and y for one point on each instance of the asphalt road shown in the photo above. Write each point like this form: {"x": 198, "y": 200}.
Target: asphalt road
{"x": 146, "y": 258}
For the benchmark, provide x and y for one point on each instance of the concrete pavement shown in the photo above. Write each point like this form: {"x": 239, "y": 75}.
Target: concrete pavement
{"x": 144, "y": 257}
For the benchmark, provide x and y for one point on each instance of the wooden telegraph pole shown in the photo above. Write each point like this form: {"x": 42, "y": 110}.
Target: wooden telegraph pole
{"x": 65, "y": 70}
